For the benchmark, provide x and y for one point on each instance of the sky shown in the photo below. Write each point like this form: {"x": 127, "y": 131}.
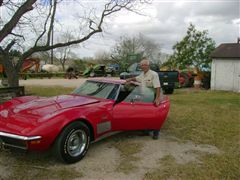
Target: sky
{"x": 165, "y": 22}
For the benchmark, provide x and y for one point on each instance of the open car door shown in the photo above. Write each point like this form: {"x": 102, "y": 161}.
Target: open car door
{"x": 137, "y": 111}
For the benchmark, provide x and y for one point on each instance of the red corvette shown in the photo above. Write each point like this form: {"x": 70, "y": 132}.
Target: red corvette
{"x": 68, "y": 123}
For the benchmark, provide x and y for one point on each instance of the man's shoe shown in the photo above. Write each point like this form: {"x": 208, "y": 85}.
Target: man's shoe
{"x": 155, "y": 137}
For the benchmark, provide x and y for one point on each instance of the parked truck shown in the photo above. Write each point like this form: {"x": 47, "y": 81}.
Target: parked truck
{"x": 168, "y": 79}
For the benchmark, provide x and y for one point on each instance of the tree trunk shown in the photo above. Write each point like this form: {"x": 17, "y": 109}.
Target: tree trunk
{"x": 63, "y": 66}
{"x": 11, "y": 71}
{"x": 13, "y": 79}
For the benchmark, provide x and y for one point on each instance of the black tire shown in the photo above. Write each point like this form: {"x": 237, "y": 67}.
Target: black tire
{"x": 73, "y": 142}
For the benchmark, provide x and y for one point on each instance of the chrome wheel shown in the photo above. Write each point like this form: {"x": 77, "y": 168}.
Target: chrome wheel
{"x": 76, "y": 143}
{"x": 73, "y": 142}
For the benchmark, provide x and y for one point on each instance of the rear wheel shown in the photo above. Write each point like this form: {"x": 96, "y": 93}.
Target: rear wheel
{"x": 73, "y": 143}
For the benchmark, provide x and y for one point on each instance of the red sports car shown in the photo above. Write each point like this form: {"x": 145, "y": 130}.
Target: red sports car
{"x": 68, "y": 123}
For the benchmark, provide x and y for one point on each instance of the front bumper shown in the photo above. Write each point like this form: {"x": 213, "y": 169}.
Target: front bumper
{"x": 8, "y": 140}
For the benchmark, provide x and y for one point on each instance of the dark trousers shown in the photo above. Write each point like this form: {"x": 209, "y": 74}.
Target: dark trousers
{"x": 155, "y": 132}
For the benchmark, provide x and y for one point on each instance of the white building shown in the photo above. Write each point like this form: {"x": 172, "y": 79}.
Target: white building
{"x": 225, "y": 73}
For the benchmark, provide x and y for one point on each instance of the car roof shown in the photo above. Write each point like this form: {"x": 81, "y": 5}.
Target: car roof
{"x": 108, "y": 80}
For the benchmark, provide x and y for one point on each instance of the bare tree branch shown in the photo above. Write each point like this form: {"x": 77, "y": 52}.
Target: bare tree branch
{"x": 45, "y": 26}
{"x": 91, "y": 23}
{"x": 18, "y": 35}
{"x": 8, "y": 27}
{"x": 106, "y": 12}
{"x": 10, "y": 45}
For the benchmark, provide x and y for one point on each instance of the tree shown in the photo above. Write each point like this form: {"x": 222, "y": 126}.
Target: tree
{"x": 102, "y": 57}
{"x": 12, "y": 31}
{"x": 130, "y": 50}
{"x": 79, "y": 65}
{"x": 193, "y": 50}
{"x": 150, "y": 49}
{"x": 63, "y": 54}
{"x": 45, "y": 56}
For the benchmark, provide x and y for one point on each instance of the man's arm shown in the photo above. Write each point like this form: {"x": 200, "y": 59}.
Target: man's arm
{"x": 131, "y": 79}
{"x": 157, "y": 99}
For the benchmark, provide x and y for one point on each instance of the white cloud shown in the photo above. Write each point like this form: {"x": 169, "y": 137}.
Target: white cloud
{"x": 165, "y": 21}
{"x": 169, "y": 21}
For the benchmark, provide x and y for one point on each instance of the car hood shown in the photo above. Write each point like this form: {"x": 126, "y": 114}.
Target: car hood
{"x": 27, "y": 114}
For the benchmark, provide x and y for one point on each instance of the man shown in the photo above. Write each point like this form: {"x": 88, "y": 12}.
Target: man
{"x": 149, "y": 78}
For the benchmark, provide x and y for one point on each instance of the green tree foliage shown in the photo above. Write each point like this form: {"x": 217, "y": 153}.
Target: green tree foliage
{"x": 79, "y": 64}
{"x": 129, "y": 50}
{"x": 193, "y": 50}
{"x": 125, "y": 52}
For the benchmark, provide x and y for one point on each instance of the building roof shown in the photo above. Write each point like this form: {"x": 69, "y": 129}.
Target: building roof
{"x": 227, "y": 50}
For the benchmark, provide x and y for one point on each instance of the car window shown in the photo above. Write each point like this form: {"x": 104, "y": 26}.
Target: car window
{"x": 138, "y": 68}
{"x": 96, "y": 89}
{"x": 114, "y": 92}
{"x": 141, "y": 94}
{"x": 133, "y": 67}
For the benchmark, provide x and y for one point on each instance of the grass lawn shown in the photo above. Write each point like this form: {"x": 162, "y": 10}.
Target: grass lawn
{"x": 203, "y": 117}
{"x": 47, "y": 91}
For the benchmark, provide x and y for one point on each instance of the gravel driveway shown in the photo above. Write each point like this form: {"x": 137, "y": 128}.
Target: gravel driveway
{"x": 53, "y": 82}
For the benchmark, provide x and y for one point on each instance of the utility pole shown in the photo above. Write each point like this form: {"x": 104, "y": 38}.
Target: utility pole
{"x": 52, "y": 44}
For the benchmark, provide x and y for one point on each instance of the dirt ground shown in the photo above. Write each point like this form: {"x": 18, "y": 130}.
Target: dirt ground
{"x": 104, "y": 158}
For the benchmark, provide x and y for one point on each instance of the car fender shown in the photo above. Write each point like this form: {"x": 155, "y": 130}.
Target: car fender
{"x": 52, "y": 127}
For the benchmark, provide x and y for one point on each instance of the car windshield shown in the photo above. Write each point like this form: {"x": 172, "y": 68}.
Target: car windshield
{"x": 97, "y": 89}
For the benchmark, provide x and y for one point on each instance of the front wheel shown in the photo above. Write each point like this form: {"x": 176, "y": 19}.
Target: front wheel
{"x": 73, "y": 143}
